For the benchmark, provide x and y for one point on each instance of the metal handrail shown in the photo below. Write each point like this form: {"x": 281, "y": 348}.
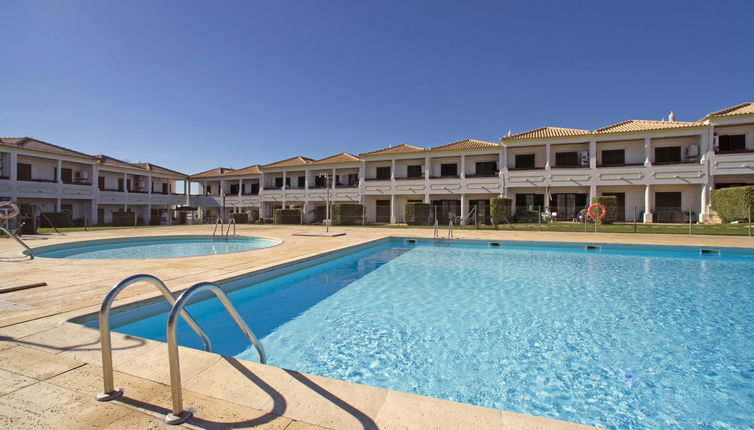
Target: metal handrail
{"x": 110, "y": 392}
{"x": 178, "y": 415}
{"x": 219, "y": 221}
{"x": 233, "y": 223}
{"x": 450, "y": 229}
{"x": 436, "y": 228}
{"x": 20, "y": 242}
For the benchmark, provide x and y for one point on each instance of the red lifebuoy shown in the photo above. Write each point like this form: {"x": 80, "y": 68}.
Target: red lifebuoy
{"x": 601, "y": 207}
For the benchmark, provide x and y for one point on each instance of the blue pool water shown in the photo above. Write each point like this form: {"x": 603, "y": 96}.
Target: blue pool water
{"x": 618, "y": 338}
{"x": 153, "y": 247}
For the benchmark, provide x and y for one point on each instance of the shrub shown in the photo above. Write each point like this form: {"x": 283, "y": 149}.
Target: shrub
{"x": 347, "y": 214}
{"x": 735, "y": 203}
{"x": 501, "y": 209}
{"x": 241, "y": 218}
{"x": 126, "y": 218}
{"x": 611, "y": 204}
{"x": 58, "y": 219}
{"x": 417, "y": 213}
{"x": 287, "y": 216}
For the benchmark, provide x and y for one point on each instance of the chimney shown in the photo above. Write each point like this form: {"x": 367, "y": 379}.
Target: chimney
{"x": 510, "y": 133}
{"x": 671, "y": 118}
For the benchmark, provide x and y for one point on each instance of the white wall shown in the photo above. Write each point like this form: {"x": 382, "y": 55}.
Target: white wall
{"x": 634, "y": 150}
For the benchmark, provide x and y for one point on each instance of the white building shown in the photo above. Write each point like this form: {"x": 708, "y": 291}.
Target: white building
{"x": 91, "y": 187}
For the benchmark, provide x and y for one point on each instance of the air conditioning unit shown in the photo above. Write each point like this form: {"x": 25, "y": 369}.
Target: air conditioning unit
{"x": 692, "y": 152}
{"x": 584, "y": 158}
{"x": 84, "y": 175}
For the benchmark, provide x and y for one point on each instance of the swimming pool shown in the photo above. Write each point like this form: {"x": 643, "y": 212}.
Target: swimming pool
{"x": 613, "y": 336}
{"x": 154, "y": 247}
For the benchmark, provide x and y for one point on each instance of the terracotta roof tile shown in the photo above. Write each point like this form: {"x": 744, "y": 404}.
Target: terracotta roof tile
{"x": 546, "y": 132}
{"x": 37, "y": 145}
{"x": 212, "y": 173}
{"x": 250, "y": 170}
{"x": 465, "y": 144}
{"x": 343, "y": 157}
{"x": 644, "y": 125}
{"x": 289, "y": 162}
{"x": 110, "y": 161}
{"x": 398, "y": 149}
{"x": 743, "y": 108}
{"x": 158, "y": 169}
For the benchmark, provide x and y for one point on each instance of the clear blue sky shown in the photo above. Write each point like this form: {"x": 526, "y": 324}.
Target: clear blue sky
{"x": 196, "y": 85}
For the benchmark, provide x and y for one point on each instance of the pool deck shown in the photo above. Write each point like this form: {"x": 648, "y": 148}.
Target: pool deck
{"x": 50, "y": 368}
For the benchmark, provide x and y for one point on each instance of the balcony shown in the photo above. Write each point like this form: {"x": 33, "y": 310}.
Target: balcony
{"x": 620, "y": 165}
{"x": 376, "y": 179}
{"x": 733, "y": 151}
{"x": 570, "y": 167}
{"x": 411, "y": 178}
{"x": 483, "y": 175}
{"x": 46, "y": 181}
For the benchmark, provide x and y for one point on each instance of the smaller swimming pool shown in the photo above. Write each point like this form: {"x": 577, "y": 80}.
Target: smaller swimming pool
{"x": 154, "y": 247}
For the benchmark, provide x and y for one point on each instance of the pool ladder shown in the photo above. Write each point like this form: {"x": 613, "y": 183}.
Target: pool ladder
{"x": 20, "y": 242}
{"x": 223, "y": 233}
{"x": 177, "y": 415}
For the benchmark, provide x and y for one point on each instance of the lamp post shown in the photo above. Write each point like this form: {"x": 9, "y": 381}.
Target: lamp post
{"x": 327, "y": 201}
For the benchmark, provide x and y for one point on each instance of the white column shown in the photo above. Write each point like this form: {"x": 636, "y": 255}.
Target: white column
{"x": 501, "y": 163}
{"x": 59, "y": 173}
{"x": 306, "y": 179}
{"x": 464, "y": 208}
{"x": 427, "y": 167}
{"x": 392, "y": 169}
{"x": 93, "y": 214}
{"x": 149, "y": 184}
{"x": 547, "y": 157}
{"x": 125, "y": 182}
{"x": 285, "y": 177}
{"x": 333, "y": 178}
{"x": 187, "y": 192}
{"x": 463, "y": 170}
{"x": 392, "y": 206}
{"x": 592, "y": 154}
{"x": 58, "y": 205}
{"x": 592, "y": 191}
{"x": 647, "y": 152}
{"x": 261, "y": 185}
{"x": 148, "y": 215}
{"x": 648, "y": 203}
{"x": 240, "y": 187}
{"x": 13, "y": 171}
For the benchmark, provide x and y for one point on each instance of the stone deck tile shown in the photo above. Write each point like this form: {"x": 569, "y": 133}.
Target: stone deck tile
{"x": 10, "y": 382}
{"x": 35, "y": 363}
{"x": 409, "y": 411}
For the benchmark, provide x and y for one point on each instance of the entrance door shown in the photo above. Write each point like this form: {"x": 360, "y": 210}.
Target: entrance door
{"x": 621, "y": 211}
{"x": 383, "y": 211}
{"x": 668, "y": 207}
{"x": 446, "y": 209}
{"x": 482, "y": 211}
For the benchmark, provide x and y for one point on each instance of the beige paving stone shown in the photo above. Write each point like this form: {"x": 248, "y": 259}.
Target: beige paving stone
{"x": 153, "y": 364}
{"x": 140, "y": 421}
{"x": 409, "y": 411}
{"x": 34, "y": 363}
{"x": 47, "y": 406}
{"x": 299, "y": 425}
{"x": 87, "y": 380}
{"x": 6, "y": 344}
{"x": 512, "y": 420}
{"x": 212, "y": 413}
{"x": 10, "y": 382}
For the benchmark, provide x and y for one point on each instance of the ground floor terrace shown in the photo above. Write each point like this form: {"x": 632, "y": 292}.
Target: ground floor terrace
{"x": 50, "y": 368}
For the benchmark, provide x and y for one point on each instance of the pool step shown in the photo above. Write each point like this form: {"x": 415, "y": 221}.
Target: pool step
{"x": 593, "y": 248}
{"x": 709, "y": 251}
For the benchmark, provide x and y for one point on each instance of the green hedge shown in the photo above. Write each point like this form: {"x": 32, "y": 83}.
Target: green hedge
{"x": 241, "y": 218}
{"x": 59, "y": 219}
{"x": 126, "y": 218}
{"x": 611, "y": 204}
{"x": 735, "y": 203}
{"x": 417, "y": 213}
{"x": 347, "y": 214}
{"x": 501, "y": 209}
{"x": 287, "y": 216}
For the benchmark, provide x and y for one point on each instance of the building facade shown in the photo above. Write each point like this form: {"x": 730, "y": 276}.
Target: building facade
{"x": 659, "y": 171}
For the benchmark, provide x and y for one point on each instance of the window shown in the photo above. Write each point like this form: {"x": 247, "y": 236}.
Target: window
{"x": 278, "y": 182}
{"x": 524, "y": 161}
{"x": 529, "y": 202}
{"x": 24, "y": 172}
{"x": 254, "y": 188}
{"x": 486, "y": 168}
{"x": 128, "y": 185}
{"x": 667, "y": 201}
{"x": 319, "y": 181}
{"x": 567, "y": 159}
{"x": 120, "y": 184}
{"x": 449, "y": 169}
{"x": 353, "y": 179}
{"x": 383, "y": 173}
{"x": 613, "y": 157}
{"x": 101, "y": 182}
{"x": 382, "y": 211}
{"x": 233, "y": 189}
{"x": 67, "y": 209}
{"x": 414, "y": 171}
{"x": 301, "y": 181}
{"x": 66, "y": 175}
{"x": 209, "y": 189}
{"x": 732, "y": 142}
{"x": 165, "y": 188}
{"x": 668, "y": 154}
{"x": 337, "y": 180}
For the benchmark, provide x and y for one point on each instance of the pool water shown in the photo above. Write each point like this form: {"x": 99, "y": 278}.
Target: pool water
{"x": 617, "y": 338}
{"x": 154, "y": 247}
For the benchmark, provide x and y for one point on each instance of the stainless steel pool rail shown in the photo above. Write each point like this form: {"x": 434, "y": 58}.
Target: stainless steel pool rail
{"x": 450, "y": 229}
{"x": 224, "y": 233}
{"x": 20, "y": 242}
{"x": 220, "y": 223}
{"x": 232, "y": 222}
{"x": 437, "y": 225}
{"x": 110, "y": 392}
{"x": 178, "y": 415}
